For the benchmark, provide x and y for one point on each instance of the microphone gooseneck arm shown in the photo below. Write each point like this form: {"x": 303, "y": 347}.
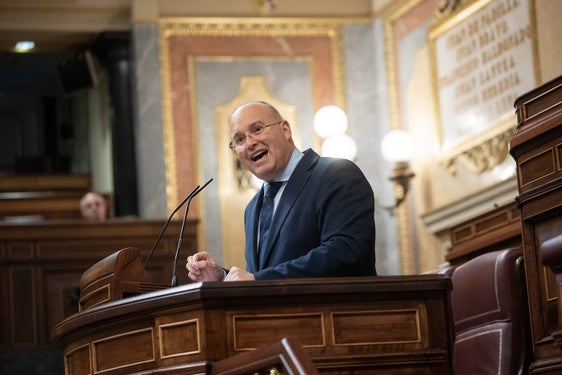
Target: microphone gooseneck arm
{"x": 193, "y": 192}
{"x": 178, "y": 247}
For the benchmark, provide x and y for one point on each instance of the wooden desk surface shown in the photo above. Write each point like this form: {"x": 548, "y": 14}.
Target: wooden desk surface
{"x": 378, "y": 325}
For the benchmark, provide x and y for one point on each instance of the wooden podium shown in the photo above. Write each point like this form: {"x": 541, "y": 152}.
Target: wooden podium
{"x": 379, "y": 325}
{"x": 115, "y": 277}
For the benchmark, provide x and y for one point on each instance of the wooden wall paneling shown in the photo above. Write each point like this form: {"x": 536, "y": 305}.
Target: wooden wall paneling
{"x": 497, "y": 229}
{"x": 41, "y": 265}
{"x": 23, "y": 302}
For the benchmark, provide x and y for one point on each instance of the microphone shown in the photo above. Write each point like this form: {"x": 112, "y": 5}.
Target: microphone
{"x": 190, "y": 197}
{"x": 168, "y": 222}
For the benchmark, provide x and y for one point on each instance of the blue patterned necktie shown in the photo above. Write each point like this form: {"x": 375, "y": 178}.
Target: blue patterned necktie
{"x": 267, "y": 213}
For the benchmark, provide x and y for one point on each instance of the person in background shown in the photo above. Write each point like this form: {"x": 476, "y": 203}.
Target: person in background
{"x": 323, "y": 222}
{"x": 93, "y": 206}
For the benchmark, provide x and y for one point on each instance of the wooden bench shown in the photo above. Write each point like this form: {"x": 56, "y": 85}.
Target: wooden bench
{"x": 38, "y": 197}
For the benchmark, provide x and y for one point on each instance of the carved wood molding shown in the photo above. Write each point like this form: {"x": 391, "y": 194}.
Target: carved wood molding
{"x": 481, "y": 155}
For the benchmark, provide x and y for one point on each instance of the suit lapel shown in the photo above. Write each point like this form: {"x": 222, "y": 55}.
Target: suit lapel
{"x": 253, "y": 223}
{"x": 295, "y": 185}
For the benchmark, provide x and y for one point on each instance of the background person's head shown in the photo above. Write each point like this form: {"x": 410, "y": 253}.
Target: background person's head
{"x": 93, "y": 207}
{"x": 262, "y": 139}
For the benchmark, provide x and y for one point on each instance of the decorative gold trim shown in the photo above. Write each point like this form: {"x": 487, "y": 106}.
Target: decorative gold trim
{"x": 196, "y": 145}
{"x": 534, "y": 40}
{"x": 390, "y": 15}
{"x": 442, "y": 24}
{"x": 265, "y": 7}
{"x": 446, "y": 7}
{"x": 484, "y": 151}
{"x": 168, "y": 124}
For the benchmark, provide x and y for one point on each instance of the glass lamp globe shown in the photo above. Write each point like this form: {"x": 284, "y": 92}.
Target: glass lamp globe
{"x": 339, "y": 146}
{"x": 329, "y": 120}
{"x": 397, "y": 146}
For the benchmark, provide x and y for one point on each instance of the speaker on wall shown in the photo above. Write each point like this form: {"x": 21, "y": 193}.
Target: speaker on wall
{"x": 78, "y": 73}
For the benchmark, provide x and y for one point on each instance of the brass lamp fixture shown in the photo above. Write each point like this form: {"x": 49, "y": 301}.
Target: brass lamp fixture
{"x": 397, "y": 148}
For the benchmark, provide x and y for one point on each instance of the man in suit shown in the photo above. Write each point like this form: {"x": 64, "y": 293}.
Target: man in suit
{"x": 323, "y": 221}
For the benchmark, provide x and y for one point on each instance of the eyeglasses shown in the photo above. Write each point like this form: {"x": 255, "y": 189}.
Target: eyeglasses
{"x": 239, "y": 141}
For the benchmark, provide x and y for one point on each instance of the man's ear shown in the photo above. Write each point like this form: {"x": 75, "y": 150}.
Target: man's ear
{"x": 286, "y": 127}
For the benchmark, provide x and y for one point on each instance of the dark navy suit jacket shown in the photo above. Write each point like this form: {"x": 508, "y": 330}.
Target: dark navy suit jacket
{"x": 323, "y": 225}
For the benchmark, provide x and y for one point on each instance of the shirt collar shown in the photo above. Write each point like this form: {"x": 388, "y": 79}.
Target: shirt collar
{"x": 296, "y": 156}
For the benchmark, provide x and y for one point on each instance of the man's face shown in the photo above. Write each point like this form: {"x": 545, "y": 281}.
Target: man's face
{"x": 265, "y": 155}
{"x": 94, "y": 207}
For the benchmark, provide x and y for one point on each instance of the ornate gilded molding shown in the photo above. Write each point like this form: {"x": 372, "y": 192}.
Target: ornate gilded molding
{"x": 249, "y": 27}
{"x": 482, "y": 153}
{"x": 488, "y": 154}
{"x": 390, "y": 15}
{"x": 265, "y": 7}
{"x": 167, "y": 128}
{"x": 447, "y": 7}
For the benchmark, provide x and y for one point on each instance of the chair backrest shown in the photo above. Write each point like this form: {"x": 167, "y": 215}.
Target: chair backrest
{"x": 492, "y": 333}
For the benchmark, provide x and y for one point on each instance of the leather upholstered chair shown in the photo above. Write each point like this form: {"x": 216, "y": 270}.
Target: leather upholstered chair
{"x": 492, "y": 334}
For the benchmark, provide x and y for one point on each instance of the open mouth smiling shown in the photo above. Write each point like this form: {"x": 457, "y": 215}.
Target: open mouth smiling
{"x": 259, "y": 155}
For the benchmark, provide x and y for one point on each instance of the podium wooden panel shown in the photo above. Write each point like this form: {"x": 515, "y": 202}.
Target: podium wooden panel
{"x": 380, "y": 325}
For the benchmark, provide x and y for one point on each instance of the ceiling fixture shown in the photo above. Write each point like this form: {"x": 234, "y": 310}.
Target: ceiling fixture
{"x": 24, "y": 46}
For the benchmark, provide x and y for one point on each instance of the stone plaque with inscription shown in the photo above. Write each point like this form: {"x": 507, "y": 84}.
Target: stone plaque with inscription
{"x": 484, "y": 59}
